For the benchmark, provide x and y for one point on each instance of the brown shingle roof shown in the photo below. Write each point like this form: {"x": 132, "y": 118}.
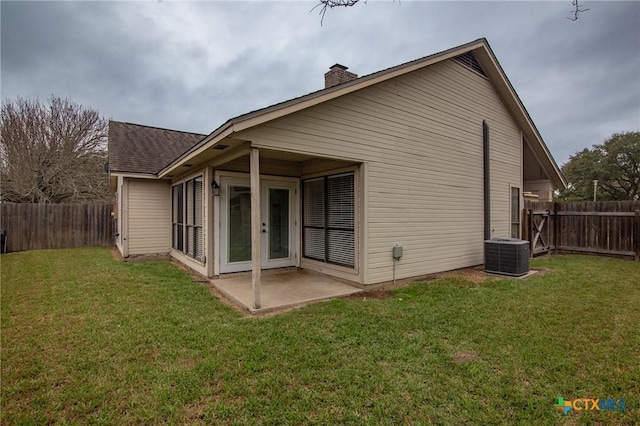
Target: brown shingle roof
{"x": 142, "y": 149}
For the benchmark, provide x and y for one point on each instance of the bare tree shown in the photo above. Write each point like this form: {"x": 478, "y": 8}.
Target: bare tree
{"x": 52, "y": 153}
{"x": 324, "y": 5}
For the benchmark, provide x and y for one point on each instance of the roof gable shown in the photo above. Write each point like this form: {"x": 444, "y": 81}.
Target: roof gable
{"x": 476, "y": 54}
{"x": 134, "y": 148}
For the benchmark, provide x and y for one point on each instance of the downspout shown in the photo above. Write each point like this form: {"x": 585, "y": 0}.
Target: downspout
{"x": 487, "y": 180}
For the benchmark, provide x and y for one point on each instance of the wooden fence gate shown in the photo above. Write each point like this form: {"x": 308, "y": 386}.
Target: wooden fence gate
{"x": 540, "y": 231}
{"x": 608, "y": 227}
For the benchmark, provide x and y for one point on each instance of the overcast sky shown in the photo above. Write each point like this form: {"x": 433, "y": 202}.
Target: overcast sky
{"x": 193, "y": 65}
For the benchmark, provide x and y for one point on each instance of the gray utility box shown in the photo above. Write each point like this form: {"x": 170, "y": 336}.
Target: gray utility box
{"x": 397, "y": 252}
{"x": 506, "y": 256}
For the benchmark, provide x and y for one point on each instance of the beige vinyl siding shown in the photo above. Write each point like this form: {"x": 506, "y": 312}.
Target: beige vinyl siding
{"x": 543, "y": 188}
{"x": 421, "y": 137}
{"x": 149, "y": 221}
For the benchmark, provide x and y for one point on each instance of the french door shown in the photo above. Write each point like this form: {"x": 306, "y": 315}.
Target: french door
{"x": 278, "y": 229}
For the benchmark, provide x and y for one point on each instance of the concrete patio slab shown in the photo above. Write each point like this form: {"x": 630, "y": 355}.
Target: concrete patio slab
{"x": 282, "y": 290}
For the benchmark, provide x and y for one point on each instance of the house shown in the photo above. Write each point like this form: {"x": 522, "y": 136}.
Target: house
{"x": 333, "y": 180}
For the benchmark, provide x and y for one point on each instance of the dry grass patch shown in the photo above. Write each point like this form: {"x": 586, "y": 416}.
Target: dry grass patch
{"x": 378, "y": 294}
{"x": 463, "y": 357}
{"x": 474, "y": 275}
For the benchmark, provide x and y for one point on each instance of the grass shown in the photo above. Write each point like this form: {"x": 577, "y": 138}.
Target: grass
{"x": 86, "y": 339}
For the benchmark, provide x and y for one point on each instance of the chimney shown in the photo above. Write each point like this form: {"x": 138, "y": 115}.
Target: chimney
{"x": 338, "y": 74}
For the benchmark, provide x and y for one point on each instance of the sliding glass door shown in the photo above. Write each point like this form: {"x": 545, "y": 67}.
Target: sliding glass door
{"x": 329, "y": 218}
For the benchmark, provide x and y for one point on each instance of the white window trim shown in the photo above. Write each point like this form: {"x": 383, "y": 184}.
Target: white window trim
{"x": 321, "y": 266}
{"x": 183, "y": 253}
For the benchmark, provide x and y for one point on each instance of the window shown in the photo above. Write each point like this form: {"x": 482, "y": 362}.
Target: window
{"x": 328, "y": 219}
{"x": 187, "y": 212}
{"x": 515, "y": 212}
{"x": 120, "y": 215}
{"x": 178, "y": 218}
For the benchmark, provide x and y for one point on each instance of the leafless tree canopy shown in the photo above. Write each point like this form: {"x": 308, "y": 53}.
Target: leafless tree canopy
{"x": 323, "y": 5}
{"x": 52, "y": 153}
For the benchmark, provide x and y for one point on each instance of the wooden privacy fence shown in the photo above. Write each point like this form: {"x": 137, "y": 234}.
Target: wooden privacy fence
{"x": 606, "y": 227}
{"x": 48, "y": 226}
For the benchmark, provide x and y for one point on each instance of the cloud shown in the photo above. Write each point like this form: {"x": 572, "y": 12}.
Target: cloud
{"x": 191, "y": 66}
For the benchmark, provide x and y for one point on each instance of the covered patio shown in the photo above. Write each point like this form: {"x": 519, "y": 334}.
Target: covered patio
{"x": 282, "y": 289}
{"x": 260, "y": 262}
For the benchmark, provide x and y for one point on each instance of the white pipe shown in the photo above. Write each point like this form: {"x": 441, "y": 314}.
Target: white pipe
{"x": 394, "y": 270}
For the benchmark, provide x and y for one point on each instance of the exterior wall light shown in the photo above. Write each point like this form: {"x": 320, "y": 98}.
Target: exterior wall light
{"x": 215, "y": 188}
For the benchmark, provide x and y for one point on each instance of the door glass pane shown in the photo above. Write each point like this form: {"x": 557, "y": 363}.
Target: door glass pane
{"x": 515, "y": 213}
{"x": 515, "y": 230}
{"x": 278, "y": 223}
{"x": 314, "y": 219}
{"x": 515, "y": 205}
{"x": 340, "y": 215}
{"x": 314, "y": 246}
{"x": 239, "y": 223}
{"x": 314, "y": 202}
{"x": 341, "y": 247}
{"x": 340, "y": 201}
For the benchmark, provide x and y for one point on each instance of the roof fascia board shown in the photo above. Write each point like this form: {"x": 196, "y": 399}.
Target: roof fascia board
{"x": 134, "y": 175}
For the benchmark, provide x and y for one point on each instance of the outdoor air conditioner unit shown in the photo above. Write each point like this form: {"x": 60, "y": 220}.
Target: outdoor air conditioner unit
{"x": 506, "y": 256}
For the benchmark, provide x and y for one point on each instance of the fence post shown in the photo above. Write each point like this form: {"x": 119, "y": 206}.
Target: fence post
{"x": 556, "y": 226}
{"x": 530, "y": 233}
{"x": 636, "y": 237}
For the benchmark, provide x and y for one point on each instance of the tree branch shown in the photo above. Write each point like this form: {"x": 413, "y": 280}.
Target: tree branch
{"x": 324, "y": 5}
{"x": 577, "y": 11}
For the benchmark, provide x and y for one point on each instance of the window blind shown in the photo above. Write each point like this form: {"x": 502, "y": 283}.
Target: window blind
{"x": 328, "y": 219}
{"x": 197, "y": 218}
{"x": 314, "y": 219}
{"x": 187, "y": 217}
{"x": 177, "y": 214}
{"x": 189, "y": 186}
{"x": 340, "y": 215}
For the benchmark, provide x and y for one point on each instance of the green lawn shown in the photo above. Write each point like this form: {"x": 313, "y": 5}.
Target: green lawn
{"x": 86, "y": 339}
